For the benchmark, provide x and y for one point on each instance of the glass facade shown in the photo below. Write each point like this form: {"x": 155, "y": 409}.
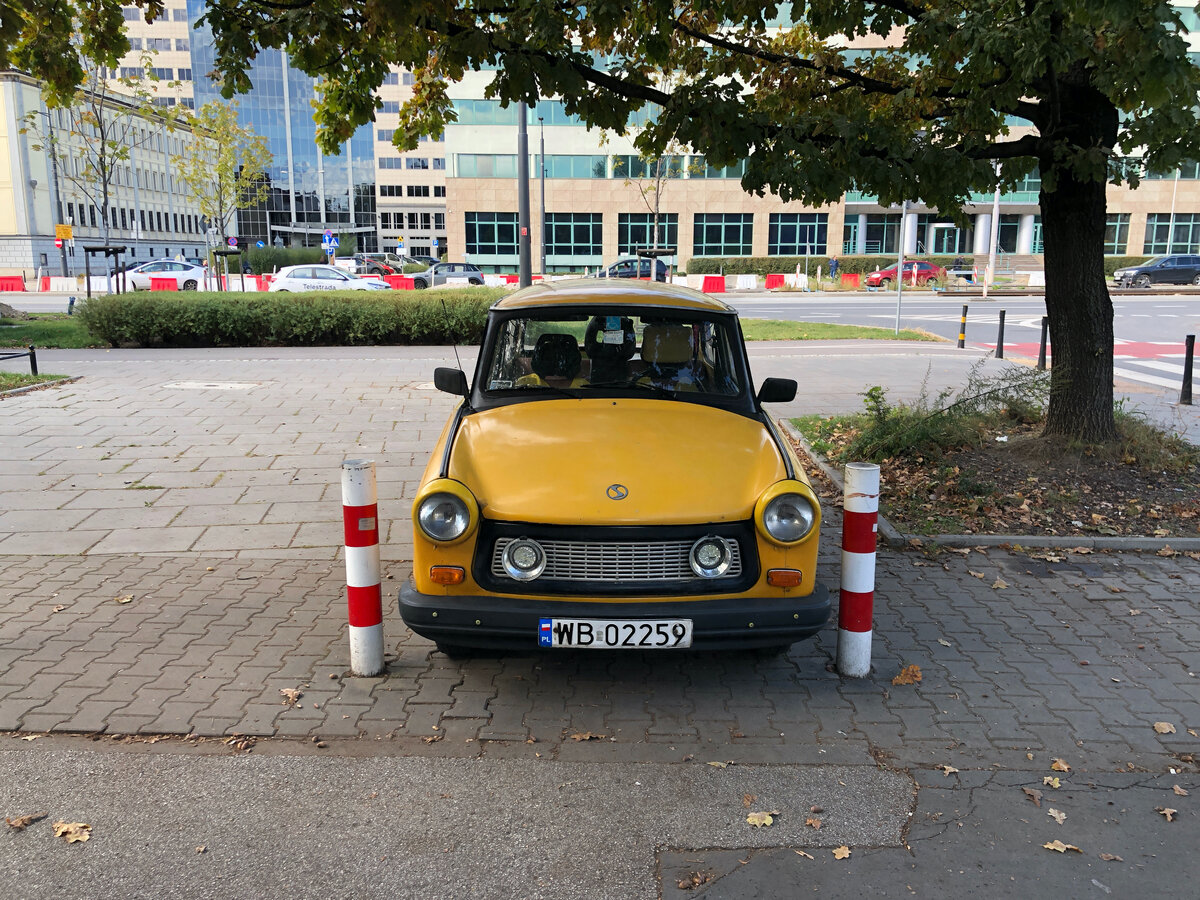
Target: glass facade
{"x": 1166, "y": 233}
{"x": 573, "y": 239}
{"x": 797, "y": 234}
{"x": 1116, "y": 233}
{"x": 485, "y": 165}
{"x": 722, "y": 234}
{"x": 310, "y": 192}
{"x": 491, "y": 237}
{"x": 635, "y": 232}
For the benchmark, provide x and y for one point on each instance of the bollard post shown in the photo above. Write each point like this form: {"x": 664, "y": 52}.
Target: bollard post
{"x": 70, "y": 306}
{"x": 962, "y": 329}
{"x": 859, "y": 526}
{"x": 360, "y": 516}
{"x": 32, "y": 360}
{"x": 1189, "y": 356}
{"x": 1000, "y": 338}
{"x": 1041, "y": 365}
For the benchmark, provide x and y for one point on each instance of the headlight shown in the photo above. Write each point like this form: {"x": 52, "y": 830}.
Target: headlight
{"x": 524, "y": 559}
{"x": 789, "y": 517}
{"x": 710, "y": 556}
{"x": 443, "y": 516}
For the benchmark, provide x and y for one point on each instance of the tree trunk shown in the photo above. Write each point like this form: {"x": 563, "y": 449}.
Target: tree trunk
{"x": 1080, "y": 311}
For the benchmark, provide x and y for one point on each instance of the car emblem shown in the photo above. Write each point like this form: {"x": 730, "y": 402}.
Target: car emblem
{"x": 617, "y": 492}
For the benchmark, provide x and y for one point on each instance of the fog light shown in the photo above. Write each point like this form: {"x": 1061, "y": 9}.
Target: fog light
{"x": 710, "y": 556}
{"x": 785, "y": 578}
{"x": 524, "y": 559}
{"x": 446, "y": 575}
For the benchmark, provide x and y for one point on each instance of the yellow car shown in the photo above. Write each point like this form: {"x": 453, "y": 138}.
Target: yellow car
{"x": 610, "y": 480}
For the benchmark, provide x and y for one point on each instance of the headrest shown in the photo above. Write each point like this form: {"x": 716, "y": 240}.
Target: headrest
{"x": 556, "y": 355}
{"x": 667, "y": 344}
{"x": 610, "y": 338}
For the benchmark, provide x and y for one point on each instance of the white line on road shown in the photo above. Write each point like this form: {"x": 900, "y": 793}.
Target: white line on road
{"x": 1145, "y": 379}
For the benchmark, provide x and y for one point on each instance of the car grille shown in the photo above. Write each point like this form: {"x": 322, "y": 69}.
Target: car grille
{"x": 622, "y": 562}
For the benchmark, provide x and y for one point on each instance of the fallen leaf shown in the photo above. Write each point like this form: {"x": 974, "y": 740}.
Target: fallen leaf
{"x": 59, "y": 608}
{"x": 1111, "y": 857}
{"x": 1168, "y": 552}
{"x": 1167, "y": 812}
{"x": 944, "y": 642}
{"x": 910, "y": 674}
{"x": 202, "y": 849}
{"x": 19, "y": 823}
{"x": 1135, "y": 612}
{"x": 999, "y": 584}
{"x": 802, "y": 853}
{"x": 71, "y": 832}
{"x": 1052, "y": 781}
{"x": 1034, "y": 795}
{"x": 1059, "y": 765}
{"x": 31, "y": 737}
{"x": 841, "y": 852}
{"x": 715, "y": 763}
{"x": 1057, "y": 815}
{"x": 976, "y": 574}
{"x": 1179, "y": 792}
{"x": 1164, "y": 727}
{"x": 748, "y": 800}
{"x": 432, "y": 738}
{"x": 946, "y": 770}
{"x": 812, "y": 822}
{"x": 290, "y": 695}
{"x": 587, "y": 736}
{"x": 1193, "y": 732}
{"x": 1113, "y": 589}
{"x": 124, "y": 598}
{"x": 760, "y": 819}
{"x": 1060, "y": 847}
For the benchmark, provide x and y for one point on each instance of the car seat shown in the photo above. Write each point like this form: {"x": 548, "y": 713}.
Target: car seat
{"x": 554, "y": 356}
{"x": 667, "y": 351}
{"x": 610, "y": 343}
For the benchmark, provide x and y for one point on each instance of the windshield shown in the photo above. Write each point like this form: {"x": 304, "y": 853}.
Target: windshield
{"x": 679, "y": 354}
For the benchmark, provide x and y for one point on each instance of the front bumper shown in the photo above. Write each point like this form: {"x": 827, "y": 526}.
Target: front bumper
{"x": 512, "y": 623}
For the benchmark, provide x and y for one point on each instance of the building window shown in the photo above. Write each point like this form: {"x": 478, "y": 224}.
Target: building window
{"x": 485, "y": 165}
{"x": 491, "y": 234}
{"x": 1172, "y": 234}
{"x": 698, "y": 168}
{"x": 384, "y": 134}
{"x": 391, "y": 162}
{"x": 551, "y": 112}
{"x": 391, "y": 78}
{"x": 635, "y": 231}
{"x": 485, "y": 112}
{"x": 439, "y": 162}
{"x": 574, "y": 234}
{"x": 439, "y": 190}
{"x": 183, "y": 44}
{"x": 131, "y": 13}
{"x": 385, "y": 220}
{"x": 407, "y": 78}
{"x": 185, "y": 74}
{"x": 153, "y": 43}
{"x": 124, "y": 223}
{"x": 92, "y": 215}
{"x": 638, "y": 167}
{"x": 416, "y": 190}
{"x": 722, "y": 234}
{"x": 575, "y": 166}
{"x": 179, "y": 15}
{"x": 135, "y": 43}
{"x": 416, "y": 162}
{"x": 439, "y": 221}
{"x": 390, "y": 106}
{"x": 797, "y": 234}
{"x": 391, "y": 190}
{"x": 1116, "y": 233}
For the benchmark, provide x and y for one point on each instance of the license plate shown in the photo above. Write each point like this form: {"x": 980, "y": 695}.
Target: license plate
{"x": 606, "y": 634}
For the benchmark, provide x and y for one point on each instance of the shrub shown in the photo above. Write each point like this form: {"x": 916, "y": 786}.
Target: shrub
{"x": 767, "y": 265}
{"x": 272, "y": 259}
{"x": 439, "y": 316}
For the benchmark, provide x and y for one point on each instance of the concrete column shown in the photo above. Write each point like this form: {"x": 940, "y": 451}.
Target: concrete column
{"x": 861, "y": 241}
{"x": 910, "y": 235}
{"x": 983, "y": 231}
{"x": 1025, "y": 234}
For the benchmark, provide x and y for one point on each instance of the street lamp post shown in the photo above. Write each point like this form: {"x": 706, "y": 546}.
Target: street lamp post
{"x": 900, "y": 262}
{"x": 542, "y": 166}
{"x": 526, "y": 277}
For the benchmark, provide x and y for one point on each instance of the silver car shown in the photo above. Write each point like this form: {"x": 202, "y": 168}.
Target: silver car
{"x": 322, "y": 278}
{"x": 187, "y": 277}
{"x": 439, "y": 274}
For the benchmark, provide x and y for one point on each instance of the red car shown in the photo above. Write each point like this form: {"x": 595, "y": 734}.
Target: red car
{"x": 925, "y": 272}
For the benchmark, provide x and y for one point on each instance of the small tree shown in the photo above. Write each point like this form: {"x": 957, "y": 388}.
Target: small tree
{"x": 225, "y": 168}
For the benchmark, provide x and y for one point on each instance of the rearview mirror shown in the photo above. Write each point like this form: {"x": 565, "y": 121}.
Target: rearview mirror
{"x": 777, "y": 390}
{"x": 453, "y": 381}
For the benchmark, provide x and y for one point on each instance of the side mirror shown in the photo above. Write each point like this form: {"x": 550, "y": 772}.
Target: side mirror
{"x": 453, "y": 381}
{"x": 777, "y": 390}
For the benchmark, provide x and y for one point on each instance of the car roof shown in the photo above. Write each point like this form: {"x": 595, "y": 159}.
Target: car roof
{"x": 581, "y": 291}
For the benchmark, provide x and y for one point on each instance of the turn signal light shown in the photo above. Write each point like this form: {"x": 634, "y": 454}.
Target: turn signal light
{"x": 786, "y": 578}
{"x": 446, "y": 574}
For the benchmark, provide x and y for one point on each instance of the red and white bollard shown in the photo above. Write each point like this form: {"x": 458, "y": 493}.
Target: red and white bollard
{"x": 360, "y": 514}
{"x": 859, "y": 528}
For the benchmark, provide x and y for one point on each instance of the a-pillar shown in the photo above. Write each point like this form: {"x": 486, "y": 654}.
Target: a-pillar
{"x": 1025, "y": 234}
{"x": 983, "y": 233}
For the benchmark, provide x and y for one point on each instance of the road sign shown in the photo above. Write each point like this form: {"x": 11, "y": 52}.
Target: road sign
{"x": 400, "y": 245}
{"x": 232, "y": 242}
{"x": 63, "y": 232}
{"x": 435, "y": 242}
{"x": 58, "y": 243}
{"x": 330, "y": 241}
{"x": 328, "y": 235}
{"x": 259, "y": 244}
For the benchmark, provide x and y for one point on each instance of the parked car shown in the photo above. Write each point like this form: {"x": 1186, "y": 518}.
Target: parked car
{"x": 426, "y": 260}
{"x": 187, "y": 277}
{"x": 925, "y": 273}
{"x": 1160, "y": 270}
{"x": 369, "y": 265}
{"x": 611, "y": 479}
{"x": 322, "y": 278}
{"x": 634, "y": 267}
{"x": 440, "y": 273}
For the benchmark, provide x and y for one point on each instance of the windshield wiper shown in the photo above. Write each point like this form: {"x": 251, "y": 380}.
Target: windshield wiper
{"x": 636, "y": 383}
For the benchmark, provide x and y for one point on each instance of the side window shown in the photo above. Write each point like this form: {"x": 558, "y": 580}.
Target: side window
{"x": 304, "y": 272}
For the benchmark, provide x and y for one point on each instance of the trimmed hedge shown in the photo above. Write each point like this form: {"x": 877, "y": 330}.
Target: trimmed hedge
{"x": 767, "y": 265}
{"x": 344, "y": 318}
{"x": 1112, "y": 263}
{"x": 272, "y": 259}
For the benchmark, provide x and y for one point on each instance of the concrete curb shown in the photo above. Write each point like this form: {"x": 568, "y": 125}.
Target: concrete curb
{"x": 896, "y": 538}
{"x": 39, "y": 386}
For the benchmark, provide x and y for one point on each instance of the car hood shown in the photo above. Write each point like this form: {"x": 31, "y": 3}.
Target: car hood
{"x": 553, "y": 461}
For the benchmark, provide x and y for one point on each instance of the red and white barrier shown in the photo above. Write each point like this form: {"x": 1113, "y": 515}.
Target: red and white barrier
{"x": 360, "y": 515}
{"x": 859, "y": 528}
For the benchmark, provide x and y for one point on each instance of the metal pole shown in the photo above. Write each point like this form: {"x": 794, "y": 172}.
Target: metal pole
{"x": 57, "y": 190}
{"x": 1000, "y": 338}
{"x": 962, "y": 329}
{"x": 990, "y": 274}
{"x": 1041, "y": 364}
{"x": 526, "y": 276}
{"x": 900, "y": 261}
{"x": 1185, "y": 394}
{"x": 32, "y": 360}
{"x": 542, "y": 167}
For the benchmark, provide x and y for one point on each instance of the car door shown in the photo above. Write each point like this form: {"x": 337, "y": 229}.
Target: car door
{"x": 140, "y": 277}
{"x": 1191, "y": 267}
{"x": 1167, "y": 272}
